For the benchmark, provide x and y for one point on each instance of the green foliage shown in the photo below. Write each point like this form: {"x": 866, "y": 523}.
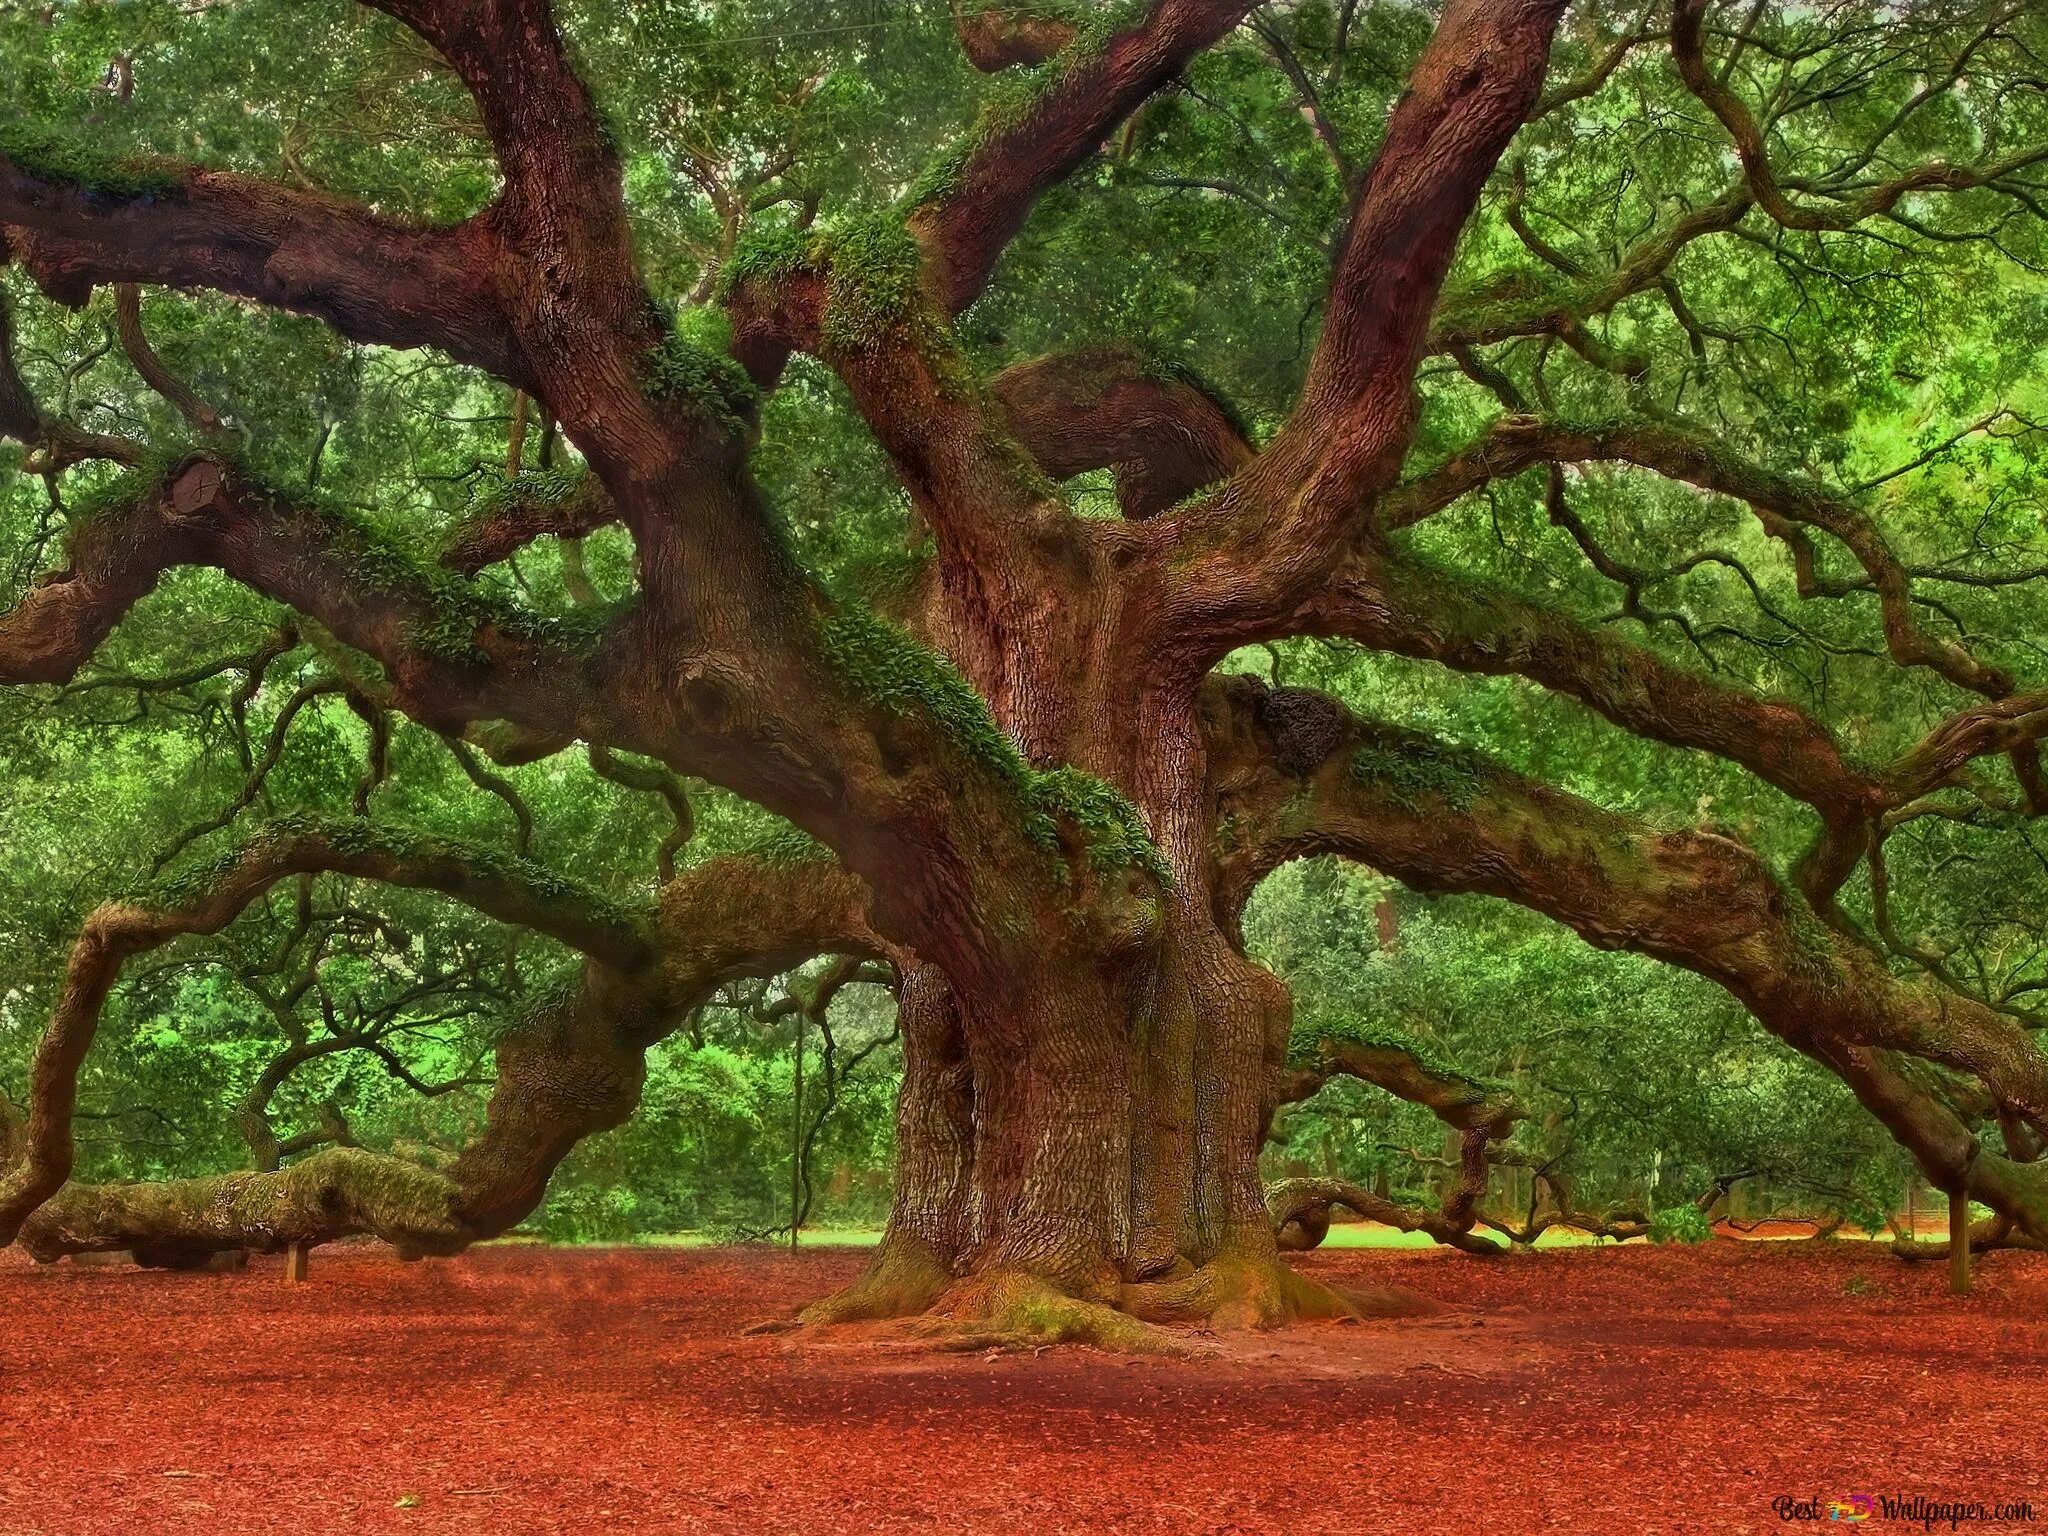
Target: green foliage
{"x": 530, "y": 487}
{"x": 1115, "y": 833}
{"x": 66, "y": 159}
{"x": 766, "y": 254}
{"x": 874, "y": 270}
{"x": 890, "y": 670}
{"x": 692, "y": 365}
{"x": 1680, "y": 1224}
{"x": 1417, "y": 770}
{"x": 786, "y": 845}
{"x": 884, "y": 666}
{"x": 1641, "y": 1077}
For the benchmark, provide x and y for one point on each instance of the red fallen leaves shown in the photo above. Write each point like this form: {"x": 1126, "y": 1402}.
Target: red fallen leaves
{"x": 530, "y": 1390}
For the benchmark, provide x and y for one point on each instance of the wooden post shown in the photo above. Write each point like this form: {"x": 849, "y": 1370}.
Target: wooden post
{"x": 295, "y": 1263}
{"x": 1959, "y": 1243}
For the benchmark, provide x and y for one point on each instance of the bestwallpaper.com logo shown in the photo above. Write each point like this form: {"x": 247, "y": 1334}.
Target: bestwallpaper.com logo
{"x": 1917, "y": 1509}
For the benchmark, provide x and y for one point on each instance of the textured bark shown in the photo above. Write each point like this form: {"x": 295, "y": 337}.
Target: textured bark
{"x": 927, "y": 1233}
{"x": 1300, "y": 1213}
{"x": 1163, "y": 433}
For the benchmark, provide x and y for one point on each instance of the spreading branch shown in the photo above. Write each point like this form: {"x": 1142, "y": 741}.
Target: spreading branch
{"x": 1443, "y": 818}
{"x": 372, "y": 278}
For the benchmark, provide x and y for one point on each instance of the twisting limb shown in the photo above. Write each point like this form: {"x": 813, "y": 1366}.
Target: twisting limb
{"x": 1786, "y": 504}
{"x": 651, "y": 778}
{"x": 1157, "y": 426}
{"x": 204, "y": 904}
{"x": 813, "y": 1002}
{"x": 54, "y": 444}
{"x": 1300, "y": 1211}
{"x": 258, "y": 772}
{"x": 1256, "y": 547}
{"x": 1851, "y": 205}
{"x": 452, "y": 654}
{"x": 573, "y": 1065}
{"x": 562, "y": 202}
{"x": 1322, "y": 1050}
{"x": 1512, "y": 306}
{"x": 969, "y": 217}
{"x": 531, "y": 505}
{"x": 371, "y": 278}
{"x": 1443, "y": 818}
{"x": 1398, "y": 605}
{"x": 135, "y": 342}
{"x": 1945, "y": 1148}
{"x": 1482, "y": 1115}
{"x": 495, "y": 784}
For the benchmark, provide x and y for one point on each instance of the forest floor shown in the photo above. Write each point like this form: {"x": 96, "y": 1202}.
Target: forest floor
{"x": 530, "y": 1390}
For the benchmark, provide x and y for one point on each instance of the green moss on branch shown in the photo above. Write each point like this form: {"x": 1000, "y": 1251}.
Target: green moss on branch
{"x": 693, "y": 365}
{"x": 66, "y": 160}
{"x": 888, "y": 669}
{"x": 1415, "y": 770}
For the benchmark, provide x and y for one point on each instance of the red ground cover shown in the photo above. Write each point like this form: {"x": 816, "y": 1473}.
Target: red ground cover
{"x": 528, "y": 1390}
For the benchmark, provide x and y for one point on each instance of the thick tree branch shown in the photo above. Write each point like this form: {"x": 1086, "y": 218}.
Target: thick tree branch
{"x": 1481, "y": 1114}
{"x": 998, "y": 37}
{"x": 1162, "y": 431}
{"x": 1516, "y": 305}
{"x": 1096, "y": 81}
{"x": 1300, "y": 1212}
{"x": 1270, "y": 535}
{"x": 207, "y": 902}
{"x": 1399, "y": 605}
{"x": 1445, "y": 819}
{"x": 532, "y": 505}
{"x": 563, "y": 209}
{"x": 453, "y": 655}
{"x": 372, "y": 278}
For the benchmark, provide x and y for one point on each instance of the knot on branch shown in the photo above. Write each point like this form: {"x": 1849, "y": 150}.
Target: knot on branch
{"x": 996, "y": 38}
{"x": 194, "y": 489}
{"x": 1305, "y": 726}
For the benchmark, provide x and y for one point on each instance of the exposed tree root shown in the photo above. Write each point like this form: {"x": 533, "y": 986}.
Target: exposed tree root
{"x": 902, "y": 1280}
{"x": 1011, "y": 1309}
{"x": 1259, "y": 1292}
{"x": 922, "y": 1306}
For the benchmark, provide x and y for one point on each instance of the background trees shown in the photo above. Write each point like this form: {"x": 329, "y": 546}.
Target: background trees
{"x": 1694, "y": 607}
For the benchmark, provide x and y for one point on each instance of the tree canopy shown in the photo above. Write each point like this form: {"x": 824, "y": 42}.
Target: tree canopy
{"x": 526, "y": 522}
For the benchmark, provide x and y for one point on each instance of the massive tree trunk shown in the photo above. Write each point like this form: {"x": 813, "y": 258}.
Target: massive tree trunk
{"x": 1086, "y": 1127}
{"x": 1125, "y": 1055}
